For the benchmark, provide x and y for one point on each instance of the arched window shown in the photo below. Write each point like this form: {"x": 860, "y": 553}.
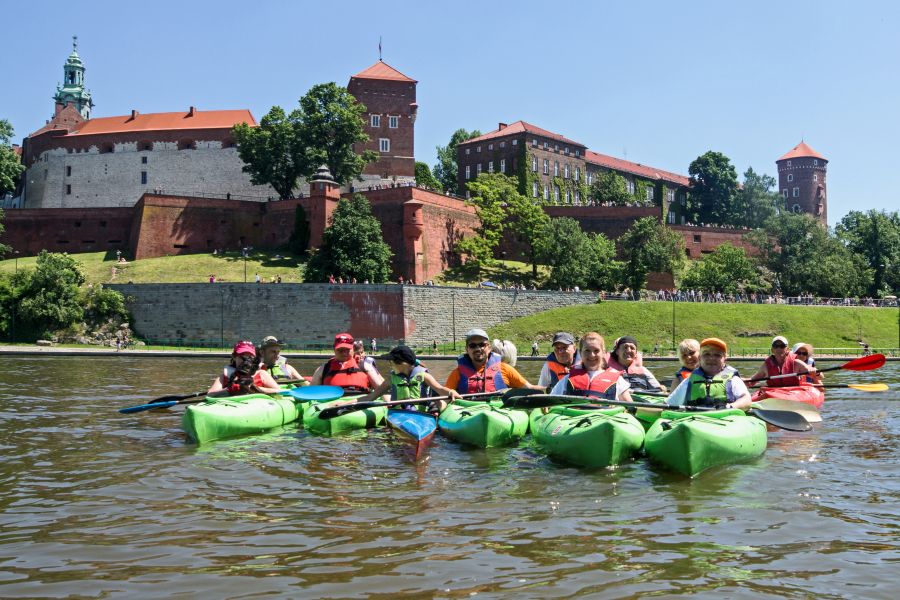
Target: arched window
{"x": 796, "y": 208}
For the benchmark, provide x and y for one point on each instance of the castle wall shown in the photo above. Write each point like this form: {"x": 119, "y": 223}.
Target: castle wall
{"x": 29, "y": 231}
{"x": 703, "y": 240}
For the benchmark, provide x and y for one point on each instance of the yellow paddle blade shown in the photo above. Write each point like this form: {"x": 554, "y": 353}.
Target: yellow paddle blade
{"x": 869, "y": 387}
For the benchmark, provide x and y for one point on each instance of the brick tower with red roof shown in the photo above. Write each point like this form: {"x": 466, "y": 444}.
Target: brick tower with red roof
{"x": 390, "y": 100}
{"x": 801, "y": 179}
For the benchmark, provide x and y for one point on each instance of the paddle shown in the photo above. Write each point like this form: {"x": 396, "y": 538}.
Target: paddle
{"x": 315, "y": 393}
{"x": 173, "y": 400}
{"x": 863, "y": 363}
{"x": 336, "y": 411}
{"x": 779, "y": 418}
{"x": 863, "y": 387}
{"x": 809, "y": 412}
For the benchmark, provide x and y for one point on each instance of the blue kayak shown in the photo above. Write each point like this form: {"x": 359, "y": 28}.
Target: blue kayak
{"x": 414, "y": 428}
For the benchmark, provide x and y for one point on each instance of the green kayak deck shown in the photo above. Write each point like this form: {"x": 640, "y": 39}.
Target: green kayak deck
{"x": 219, "y": 418}
{"x": 483, "y": 424}
{"x": 596, "y": 438}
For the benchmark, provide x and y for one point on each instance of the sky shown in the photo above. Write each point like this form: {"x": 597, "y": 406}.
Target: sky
{"x": 658, "y": 83}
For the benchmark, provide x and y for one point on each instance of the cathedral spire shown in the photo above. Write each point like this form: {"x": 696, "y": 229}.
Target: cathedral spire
{"x": 72, "y": 90}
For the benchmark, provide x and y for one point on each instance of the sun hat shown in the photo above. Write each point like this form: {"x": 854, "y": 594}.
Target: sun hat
{"x": 715, "y": 343}
{"x": 244, "y": 347}
{"x": 343, "y": 340}
{"x": 476, "y": 333}
{"x": 780, "y": 338}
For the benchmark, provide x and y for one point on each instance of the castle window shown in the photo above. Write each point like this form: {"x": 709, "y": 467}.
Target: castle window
{"x": 69, "y": 191}
{"x": 789, "y": 163}
{"x": 393, "y": 122}
{"x": 629, "y": 185}
{"x": 815, "y": 162}
{"x": 546, "y": 145}
{"x": 534, "y": 142}
{"x": 384, "y": 144}
{"x": 375, "y": 120}
{"x": 503, "y": 144}
{"x": 502, "y": 165}
{"x": 785, "y": 192}
{"x": 490, "y": 166}
{"x": 815, "y": 176}
{"x": 577, "y": 173}
{"x": 567, "y": 149}
{"x": 590, "y": 178}
{"x": 696, "y": 238}
{"x": 546, "y": 167}
{"x": 577, "y": 197}
{"x": 796, "y": 192}
{"x": 566, "y": 171}
{"x": 534, "y": 189}
{"x": 556, "y": 168}
{"x": 143, "y": 160}
{"x": 143, "y": 177}
{"x": 477, "y": 148}
{"x": 68, "y": 170}
{"x": 546, "y": 192}
{"x": 796, "y": 208}
{"x": 515, "y": 142}
{"x": 568, "y": 196}
{"x": 578, "y": 153}
{"x": 650, "y": 193}
{"x": 468, "y": 151}
{"x": 490, "y": 146}
{"x": 534, "y": 164}
{"x": 478, "y": 169}
{"x": 556, "y": 194}
{"x": 790, "y": 176}
{"x": 468, "y": 171}
{"x": 556, "y": 147}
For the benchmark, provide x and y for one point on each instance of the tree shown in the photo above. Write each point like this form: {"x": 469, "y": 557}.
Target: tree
{"x": 50, "y": 299}
{"x": 727, "y": 269}
{"x": 490, "y": 193}
{"x": 321, "y": 131}
{"x": 756, "y": 200}
{"x": 446, "y": 169}
{"x": 647, "y": 246}
{"x": 576, "y": 257}
{"x": 425, "y": 178}
{"x": 11, "y": 166}
{"x": 609, "y": 186}
{"x": 714, "y": 186}
{"x": 352, "y": 245}
{"x": 804, "y": 258}
{"x": 3, "y": 247}
{"x": 526, "y": 216}
{"x": 875, "y": 236}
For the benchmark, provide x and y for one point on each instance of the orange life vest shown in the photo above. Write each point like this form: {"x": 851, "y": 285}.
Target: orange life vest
{"x": 348, "y": 375}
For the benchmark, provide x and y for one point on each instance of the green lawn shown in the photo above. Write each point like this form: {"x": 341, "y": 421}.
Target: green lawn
{"x": 191, "y": 268}
{"x": 651, "y": 323}
{"x": 503, "y": 272}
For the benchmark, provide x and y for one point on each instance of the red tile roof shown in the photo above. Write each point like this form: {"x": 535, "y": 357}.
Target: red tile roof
{"x": 66, "y": 119}
{"x": 801, "y": 150}
{"x": 522, "y": 127}
{"x": 382, "y": 70}
{"x": 200, "y": 119}
{"x": 618, "y": 164}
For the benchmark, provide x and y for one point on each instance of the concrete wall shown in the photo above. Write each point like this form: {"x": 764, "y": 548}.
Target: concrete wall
{"x": 309, "y": 315}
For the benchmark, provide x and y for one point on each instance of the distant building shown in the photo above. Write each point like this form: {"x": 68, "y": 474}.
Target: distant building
{"x": 801, "y": 179}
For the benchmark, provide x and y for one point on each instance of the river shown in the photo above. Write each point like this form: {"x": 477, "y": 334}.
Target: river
{"x": 100, "y": 504}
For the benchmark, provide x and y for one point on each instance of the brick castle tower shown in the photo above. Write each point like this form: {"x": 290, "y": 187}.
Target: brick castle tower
{"x": 390, "y": 100}
{"x": 801, "y": 179}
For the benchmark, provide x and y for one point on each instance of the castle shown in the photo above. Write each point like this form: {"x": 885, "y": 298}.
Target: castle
{"x": 172, "y": 183}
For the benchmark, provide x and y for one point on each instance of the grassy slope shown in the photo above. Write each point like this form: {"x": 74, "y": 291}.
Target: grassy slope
{"x": 192, "y": 268}
{"x": 651, "y": 322}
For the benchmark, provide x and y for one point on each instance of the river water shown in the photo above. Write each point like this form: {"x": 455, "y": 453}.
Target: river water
{"x": 100, "y": 504}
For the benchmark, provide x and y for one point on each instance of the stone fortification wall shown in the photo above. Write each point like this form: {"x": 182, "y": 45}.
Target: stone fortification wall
{"x": 67, "y": 230}
{"x": 309, "y": 315}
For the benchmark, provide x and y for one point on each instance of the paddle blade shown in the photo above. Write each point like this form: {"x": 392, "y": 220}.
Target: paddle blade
{"x": 782, "y": 419}
{"x": 808, "y": 411}
{"x": 866, "y": 363}
{"x": 143, "y": 407}
{"x": 869, "y": 387}
{"x": 315, "y": 393}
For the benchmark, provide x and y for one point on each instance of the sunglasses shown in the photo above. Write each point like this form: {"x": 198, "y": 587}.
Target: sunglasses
{"x": 474, "y": 345}
{"x": 801, "y": 353}
{"x": 779, "y": 345}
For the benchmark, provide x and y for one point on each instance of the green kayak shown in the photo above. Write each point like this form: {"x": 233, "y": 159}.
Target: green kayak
{"x": 588, "y": 438}
{"x": 218, "y": 418}
{"x": 647, "y": 416}
{"x": 483, "y": 424}
{"x": 360, "y": 419}
{"x": 691, "y": 442}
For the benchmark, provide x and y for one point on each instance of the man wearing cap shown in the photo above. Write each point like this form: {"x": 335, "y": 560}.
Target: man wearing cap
{"x": 409, "y": 380}
{"x": 273, "y": 362}
{"x": 780, "y": 369}
{"x": 242, "y": 375}
{"x": 480, "y": 370}
{"x": 559, "y": 362}
{"x": 713, "y": 384}
{"x": 344, "y": 371}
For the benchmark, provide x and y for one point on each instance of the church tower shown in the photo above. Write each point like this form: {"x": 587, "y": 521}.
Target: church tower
{"x": 801, "y": 179}
{"x": 72, "y": 90}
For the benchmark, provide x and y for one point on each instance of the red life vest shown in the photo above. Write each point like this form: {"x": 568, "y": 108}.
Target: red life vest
{"x": 559, "y": 370}
{"x": 347, "y": 375}
{"x": 603, "y": 384}
{"x": 773, "y": 369}
{"x": 231, "y": 377}
{"x": 471, "y": 382}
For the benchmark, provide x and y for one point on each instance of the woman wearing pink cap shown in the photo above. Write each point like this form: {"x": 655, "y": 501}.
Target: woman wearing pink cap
{"x": 243, "y": 375}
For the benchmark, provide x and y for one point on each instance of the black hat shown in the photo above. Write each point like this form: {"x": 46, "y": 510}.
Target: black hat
{"x": 401, "y": 354}
{"x": 625, "y": 339}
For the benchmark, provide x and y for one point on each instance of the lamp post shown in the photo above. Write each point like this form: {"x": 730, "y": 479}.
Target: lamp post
{"x": 244, "y": 254}
{"x": 13, "y": 325}
{"x": 16, "y": 256}
{"x": 673, "y": 320}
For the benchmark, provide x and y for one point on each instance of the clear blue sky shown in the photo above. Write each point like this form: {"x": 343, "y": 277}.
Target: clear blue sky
{"x": 654, "y": 82}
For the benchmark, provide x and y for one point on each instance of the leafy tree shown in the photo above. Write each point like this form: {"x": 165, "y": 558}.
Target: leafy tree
{"x": 425, "y": 178}
{"x": 804, "y": 258}
{"x": 299, "y": 240}
{"x": 490, "y": 194}
{"x": 526, "y": 216}
{"x": 757, "y": 200}
{"x": 576, "y": 257}
{"x": 3, "y": 247}
{"x": 727, "y": 269}
{"x": 647, "y": 246}
{"x": 50, "y": 299}
{"x": 714, "y": 186}
{"x": 102, "y": 304}
{"x": 10, "y": 164}
{"x": 446, "y": 169}
{"x": 352, "y": 245}
{"x": 321, "y": 131}
{"x": 609, "y": 186}
{"x": 875, "y": 236}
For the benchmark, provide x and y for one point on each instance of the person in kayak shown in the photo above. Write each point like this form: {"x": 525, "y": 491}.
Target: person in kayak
{"x": 410, "y": 380}
{"x": 559, "y": 362}
{"x": 480, "y": 370}
{"x": 593, "y": 377}
{"x": 507, "y": 351}
{"x": 713, "y": 384}
{"x": 344, "y": 371}
{"x": 689, "y": 355}
{"x": 243, "y": 375}
{"x": 781, "y": 368}
{"x": 624, "y": 357}
{"x": 804, "y": 352}
{"x": 273, "y": 362}
{"x": 359, "y": 352}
